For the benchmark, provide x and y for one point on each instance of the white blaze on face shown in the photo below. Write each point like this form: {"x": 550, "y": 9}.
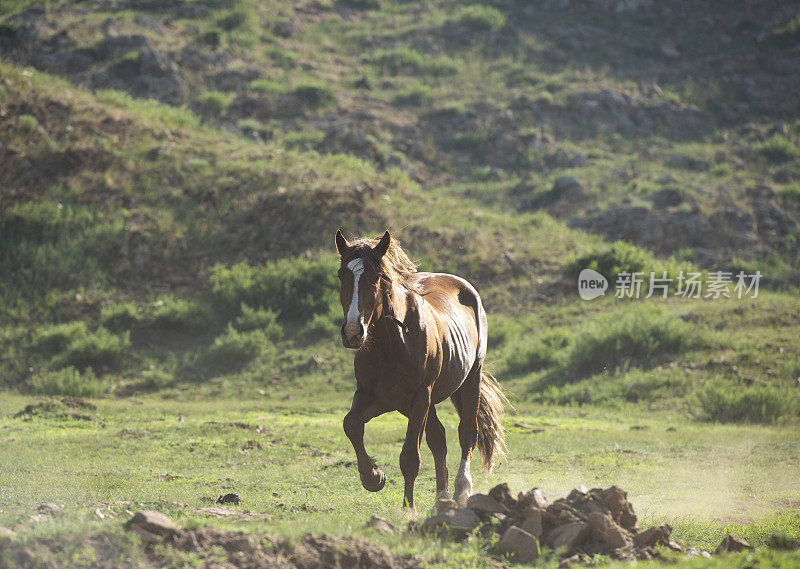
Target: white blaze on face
{"x": 353, "y": 316}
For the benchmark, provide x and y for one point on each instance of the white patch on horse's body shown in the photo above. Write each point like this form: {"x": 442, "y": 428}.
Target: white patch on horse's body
{"x": 463, "y": 484}
{"x": 357, "y": 267}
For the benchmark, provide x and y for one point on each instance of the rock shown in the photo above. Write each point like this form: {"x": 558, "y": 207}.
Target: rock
{"x": 462, "y": 521}
{"x": 288, "y": 28}
{"x": 733, "y": 544}
{"x": 568, "y": 536}
{"x": 48, "y": 508}
{"x": 380, "y": 524}
{"x": 569, "y": 561}
{"x": 243, "y": 543}
{"x": 482, "y": 503}
{"x": 616, "y": 500}
{"x": 657, "y": 535}
{"x": 522, "y": 546}
{"x": 502, "y": 494}
{"x": 39, "y": 517}
{"x": 533, "y": 497}
{"x": 577, "y": 494}
{"x": 568, "y": 188}
{"x": 230, "y": 498}
{"x": 667, "y": 197}
{"x": 692, "y": 552}
{"x": 152, "y": 526}
{"x": 443, "y": 504}
{"x": 604, "y": 528}
{"x": 533, "y": 522}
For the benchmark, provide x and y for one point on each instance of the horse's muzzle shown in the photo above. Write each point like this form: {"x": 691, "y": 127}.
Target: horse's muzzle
{"x": 356, "y": 340}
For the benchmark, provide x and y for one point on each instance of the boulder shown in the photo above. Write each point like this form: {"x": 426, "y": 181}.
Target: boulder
{"x": 152, "y": 526}
{"x": 533, "y": 522}
{"x": 461, "y": 521}
{"x": 502, "y": 494}
{"x": 733, "y": 544}
{"x": 483, "y": 504}
{"x": 521, "y": 545}
{"x": 443, "y": 504}
{"x": 567, "y": 536}
{"x": 657, "y": 535}
{"x": 605, "y": 529}
{"x": 533, "y": 497}
{"x": 616, "y": 500}
{"x": 380, "y": 524}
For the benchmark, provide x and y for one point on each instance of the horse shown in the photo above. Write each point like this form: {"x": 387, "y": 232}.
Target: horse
{"x": 420, "y": 338}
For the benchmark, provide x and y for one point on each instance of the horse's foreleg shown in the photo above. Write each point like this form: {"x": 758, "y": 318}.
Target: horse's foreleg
{"x": 363, "y": 409}
{"x": 410, "y": 458}
{"x": 435, "y": 437}
{"x": 469, "y": 397}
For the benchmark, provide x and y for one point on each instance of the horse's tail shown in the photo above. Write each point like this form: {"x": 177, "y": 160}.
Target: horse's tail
{"x": 491, "y": 435}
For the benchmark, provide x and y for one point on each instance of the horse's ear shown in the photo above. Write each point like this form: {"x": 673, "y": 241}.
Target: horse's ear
{"x": 341, "y": 243}
{"x": 383, "y": 245}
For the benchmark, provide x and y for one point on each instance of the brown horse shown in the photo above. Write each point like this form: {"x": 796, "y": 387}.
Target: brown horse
{"x": 420, "y": 338}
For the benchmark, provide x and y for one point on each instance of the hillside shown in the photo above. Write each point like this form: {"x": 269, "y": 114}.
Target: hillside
{"x": 171, "y": 169}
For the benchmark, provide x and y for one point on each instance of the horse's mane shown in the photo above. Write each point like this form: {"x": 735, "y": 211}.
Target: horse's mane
{"x": 394, "y": 267}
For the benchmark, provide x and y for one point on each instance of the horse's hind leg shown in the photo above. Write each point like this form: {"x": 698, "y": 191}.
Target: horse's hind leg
{"x": 435, "y": 437}
{"x": 362, "y": 410}
{"x": 466, "y": 400}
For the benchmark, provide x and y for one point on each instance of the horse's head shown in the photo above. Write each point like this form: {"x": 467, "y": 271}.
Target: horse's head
{"x": 359, "y": 275}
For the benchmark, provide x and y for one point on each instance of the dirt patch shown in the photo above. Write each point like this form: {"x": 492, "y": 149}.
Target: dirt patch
{"x": 66, "y": 408}
{"x": 248, "y": 550}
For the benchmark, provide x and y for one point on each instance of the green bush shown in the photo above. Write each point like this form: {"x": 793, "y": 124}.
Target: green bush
{"x": 620, "y": 257}
{"x": 100, "y": 350}
{"x": 314, "y": 96}
{"x": 641, "y": 336}
{"x": 406, "y": 61}
{"x": 265, "y": 87}
{"x": 55, "y": 340}
{"x": 119, "y": 317}
{"x": 233, "y": 350}
{"x": 66, "y": 381}
{"x": 778, "y": 149}
{"x": 414, "y": 95}
{"x": 730, "y": 403}
{"x": 180, "y": 314}
{"x": 259, "y": 319}
{"x": 28, "y": 122}
{"x": 362, "y": 4}
{"x": 242, "y": 19}
{"x": 214, "y": 102}
{"x": 480, "y": 18}
{"x": 281, "y": 57}
{"x": 530, "y": 355}
{"x": 293, "y": 288}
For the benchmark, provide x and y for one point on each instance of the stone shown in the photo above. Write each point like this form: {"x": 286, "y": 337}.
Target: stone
{"x": 568, "y": 188}
{"x": 48, "y": 508}
{"x": 482, "y": 503}
{"x": 603, "y": 527}
{"x": 568, "y": 536}
{"x": 230, "y": 498}
{"x": 459, "y": 520}
{"x": 380, "y": 524}
{"x": 692, "y": 552}
{"x": 616, "y": 500}
{"x": 657, "y": 535}
{"x": 502, "y": 494}
{"x": 667, "y": 197}
{"x": 533, "y": 522}
{"x": 521, "y": 545}
{"x": 443, "y": 504}
{"x": 733, "y": 544}
{"x": 152, "y": 526}
{"x": 534, "y": 497}
{"x": 288, "y": 28}
{"x": 569, "y": 561}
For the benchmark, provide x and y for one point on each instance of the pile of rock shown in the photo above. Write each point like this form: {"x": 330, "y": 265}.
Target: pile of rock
{"x": 585, "y": 523}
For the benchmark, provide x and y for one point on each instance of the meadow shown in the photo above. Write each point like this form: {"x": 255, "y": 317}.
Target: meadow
{"x": 171, "y": 178}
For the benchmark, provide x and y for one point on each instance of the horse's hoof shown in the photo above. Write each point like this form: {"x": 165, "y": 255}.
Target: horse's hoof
{"x": 375, "y": 486}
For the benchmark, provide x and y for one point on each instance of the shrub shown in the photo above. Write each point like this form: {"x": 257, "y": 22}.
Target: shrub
{"x": 56, "y": 339}
{"x": 28, "y": 123}
{"x": 620, "y": 257}
{"x": 233, "y": 350}
{"x": 414, "y": 95}
{"x": 281, "y": 57}
{"x": 259, "y": 319}
{"x": 265, "y": 87}
{"x": 99, "y": 350}
{"x": 480, "y": 18}
{"x": 362, "y": 4}
{"x": 641, "y": 336}
{"x": 293, "y": 288}
{"x": 237, "y": 20}
{"x": 119, "y": 317}
{"x": 403, "y": 60}
{"x": 66, "y": 381}
{"x": 214, "y": 102}
{"x": 314, "y": 96}
{"x": 778, "y": 149}
{"x": 722, "y": 401}
{"x": 180, "y": 314}
{"x": 529, "y": 355}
